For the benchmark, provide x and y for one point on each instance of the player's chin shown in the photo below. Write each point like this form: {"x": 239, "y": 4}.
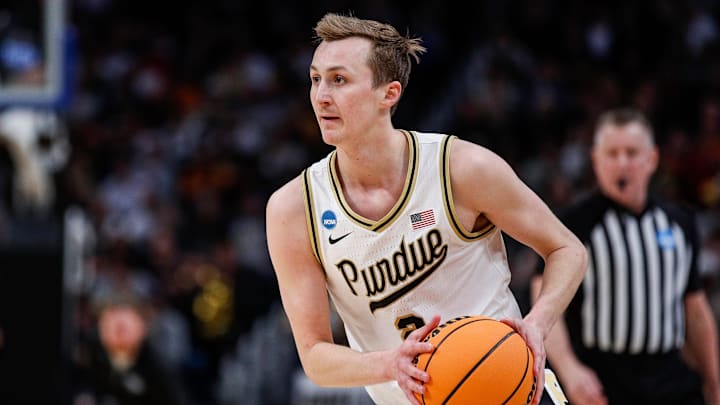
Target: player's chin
{"x": 328, "y": 138}
{"x": 330, "y": 134}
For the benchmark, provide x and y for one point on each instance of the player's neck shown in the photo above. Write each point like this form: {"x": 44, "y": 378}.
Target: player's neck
{"x": 380, "y": 162}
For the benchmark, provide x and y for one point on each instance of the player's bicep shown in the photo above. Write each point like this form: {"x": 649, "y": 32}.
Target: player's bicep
{"x": 488, "y": 185}
{"x": 300, "y": 277}
{"x": 523, "y": 215}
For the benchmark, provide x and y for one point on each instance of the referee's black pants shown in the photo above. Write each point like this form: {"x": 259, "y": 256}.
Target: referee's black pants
{"x": 657, "y": 379}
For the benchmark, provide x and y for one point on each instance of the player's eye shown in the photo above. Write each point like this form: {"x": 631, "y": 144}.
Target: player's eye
{"x": 315, "y": 78}
{"x": 339, "y": 79}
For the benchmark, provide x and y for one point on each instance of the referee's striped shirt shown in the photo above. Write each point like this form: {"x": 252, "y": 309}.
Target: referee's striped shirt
{"x": 640, "y": 267}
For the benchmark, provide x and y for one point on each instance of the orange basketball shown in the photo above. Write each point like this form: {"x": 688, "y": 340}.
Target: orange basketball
{"x": 477, "y": 360}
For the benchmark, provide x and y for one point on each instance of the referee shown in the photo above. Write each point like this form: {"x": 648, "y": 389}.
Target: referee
{"x": 641, "y": 303}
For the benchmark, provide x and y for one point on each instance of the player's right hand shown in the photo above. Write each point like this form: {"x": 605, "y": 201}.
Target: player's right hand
{"x": 403, "y": 369}
{"x": 582, "y": 386}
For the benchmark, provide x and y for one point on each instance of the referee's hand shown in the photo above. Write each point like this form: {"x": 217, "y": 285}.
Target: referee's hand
{"x": 582, "y": 385}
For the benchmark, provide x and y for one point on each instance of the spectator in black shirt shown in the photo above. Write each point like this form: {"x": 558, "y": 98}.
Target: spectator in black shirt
{"x": 641, "y": 306}
{"x": 120, "y": 367}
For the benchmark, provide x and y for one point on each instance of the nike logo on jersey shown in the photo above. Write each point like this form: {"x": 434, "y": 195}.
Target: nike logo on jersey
{"x": 336, "y": 240}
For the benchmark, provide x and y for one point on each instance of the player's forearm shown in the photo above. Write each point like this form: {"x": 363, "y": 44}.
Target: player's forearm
{"x": 557, "y": 343}
{"x": 564, "y": 271}
{"x": 332, "y": 365}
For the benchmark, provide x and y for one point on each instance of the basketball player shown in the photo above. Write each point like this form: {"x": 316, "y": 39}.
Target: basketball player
{"x": 641, "y": 302}
{"x": 403, "y": 229}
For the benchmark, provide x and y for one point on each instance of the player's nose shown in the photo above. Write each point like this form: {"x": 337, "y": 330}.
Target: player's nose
{"x": 322, "y": 94}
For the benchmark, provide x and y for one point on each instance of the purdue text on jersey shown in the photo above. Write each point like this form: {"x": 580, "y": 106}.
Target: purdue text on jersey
{"x": 407, "y": 267}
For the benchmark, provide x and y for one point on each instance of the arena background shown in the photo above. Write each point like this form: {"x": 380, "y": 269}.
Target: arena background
{"x": 139, "y": 142}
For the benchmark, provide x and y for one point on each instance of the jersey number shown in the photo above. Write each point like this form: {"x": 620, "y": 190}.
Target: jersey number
{"x": 408, "y": 323}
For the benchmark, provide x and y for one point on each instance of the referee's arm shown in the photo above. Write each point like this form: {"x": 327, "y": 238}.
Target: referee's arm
{"x": 701, "y": 345}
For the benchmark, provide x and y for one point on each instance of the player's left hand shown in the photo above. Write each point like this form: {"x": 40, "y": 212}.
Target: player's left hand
{"x": 411, "y": 379}
{"x": 534, "y": 339}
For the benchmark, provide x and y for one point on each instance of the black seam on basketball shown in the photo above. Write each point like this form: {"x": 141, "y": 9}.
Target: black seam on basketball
{"x": 448, "y": 335}
{"x": 444, "y": 339}
{"x": 527, "y": 365}
{"x": 472, "y": 370}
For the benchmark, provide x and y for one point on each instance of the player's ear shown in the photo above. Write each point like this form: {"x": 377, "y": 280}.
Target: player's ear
{"x": 391, "y": 94}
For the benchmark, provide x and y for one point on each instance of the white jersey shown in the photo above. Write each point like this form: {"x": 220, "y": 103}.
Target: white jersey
{"x": 387, "y": 277}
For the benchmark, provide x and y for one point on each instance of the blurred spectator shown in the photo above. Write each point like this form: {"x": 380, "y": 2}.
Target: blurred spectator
{"x": 705, "y": 161}
{"x": 118, "y": 366}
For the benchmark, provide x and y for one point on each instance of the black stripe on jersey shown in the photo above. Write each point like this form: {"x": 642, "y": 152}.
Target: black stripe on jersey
{"x": 447, "y": 195}
{"x": 636, "y": 262}
{"x": 393, "y": 214}
{"x": 310, "y": 215}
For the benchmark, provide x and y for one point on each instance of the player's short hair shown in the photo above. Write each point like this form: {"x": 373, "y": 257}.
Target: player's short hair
{"x": 391, "y": 54}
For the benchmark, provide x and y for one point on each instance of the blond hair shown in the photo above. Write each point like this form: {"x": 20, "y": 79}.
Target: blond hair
{"x": 391, "y": 53}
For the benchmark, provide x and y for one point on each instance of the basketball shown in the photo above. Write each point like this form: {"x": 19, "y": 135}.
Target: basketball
{"x": 477, "y": 360}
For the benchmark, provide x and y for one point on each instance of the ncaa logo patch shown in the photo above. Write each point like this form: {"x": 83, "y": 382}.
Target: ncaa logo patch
{"x": 328, "y": 219}
{"x": 665, "y": 239}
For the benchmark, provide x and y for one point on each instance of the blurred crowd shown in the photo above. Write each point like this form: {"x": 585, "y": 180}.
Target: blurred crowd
{"x": 185, "y": 116}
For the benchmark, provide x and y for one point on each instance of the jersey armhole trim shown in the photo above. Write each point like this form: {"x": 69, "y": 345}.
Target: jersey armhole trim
{"x": 448, "y": 198}
{"x": 310, "y": 218}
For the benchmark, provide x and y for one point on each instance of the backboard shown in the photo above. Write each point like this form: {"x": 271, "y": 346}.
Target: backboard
{"x": 32, "y": 52}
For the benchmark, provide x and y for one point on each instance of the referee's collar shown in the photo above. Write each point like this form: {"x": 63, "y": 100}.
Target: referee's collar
{"x": 649, "y": 203}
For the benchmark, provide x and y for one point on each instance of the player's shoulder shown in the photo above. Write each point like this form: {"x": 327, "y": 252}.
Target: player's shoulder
{"x": 472, "y": 152}
{"x": 287, "y": 201}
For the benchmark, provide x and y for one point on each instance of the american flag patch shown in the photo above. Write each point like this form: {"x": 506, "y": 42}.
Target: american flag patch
{"x": 422, "y": 219}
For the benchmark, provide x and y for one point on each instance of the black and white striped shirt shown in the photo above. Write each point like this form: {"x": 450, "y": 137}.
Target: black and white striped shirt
{"x": 640, "y": 268}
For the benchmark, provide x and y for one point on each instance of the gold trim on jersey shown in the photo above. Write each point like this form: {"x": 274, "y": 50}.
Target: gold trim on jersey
{"x": 448, "y": 198}
{"x": 393, "y": 214}
{"x": 310, "y": 218}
